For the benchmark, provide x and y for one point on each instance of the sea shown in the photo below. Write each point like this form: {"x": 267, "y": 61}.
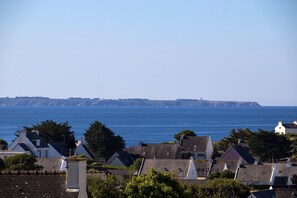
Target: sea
{"x": 148, "y": 124}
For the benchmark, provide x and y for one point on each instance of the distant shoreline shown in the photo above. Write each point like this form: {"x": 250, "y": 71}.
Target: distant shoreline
{"x": 44, "y": 101}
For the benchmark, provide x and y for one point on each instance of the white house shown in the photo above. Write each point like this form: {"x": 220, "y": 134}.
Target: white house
{"x": 31, "y": 142}
{"x": 283, "y": 128}
{"x": 200, "y": 147}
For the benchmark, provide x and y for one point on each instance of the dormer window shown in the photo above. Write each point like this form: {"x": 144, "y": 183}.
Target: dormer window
{"x": 37, "y": 142}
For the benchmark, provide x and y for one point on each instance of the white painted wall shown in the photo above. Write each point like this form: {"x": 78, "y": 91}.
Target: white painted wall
{"x": 282, "y": 130}
{"x": 192, "y": 172}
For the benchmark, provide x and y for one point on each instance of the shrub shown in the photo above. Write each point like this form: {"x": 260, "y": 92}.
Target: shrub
{"x": 20, "y": 162}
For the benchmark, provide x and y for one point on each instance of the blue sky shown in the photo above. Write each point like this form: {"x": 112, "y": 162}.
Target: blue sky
{"x": 217, "y": 50}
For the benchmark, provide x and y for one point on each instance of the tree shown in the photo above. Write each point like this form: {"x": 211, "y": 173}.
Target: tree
{"x": 177, "y": 136}
{"x": 268, "y": 146}
{"x": 3, "y": 144}
{"x": 20, "y": 162}
{"x": 226, "y": 188}
{"x": 2, "y": 165}
{"x": 102, "y": 141}
{"x": 136, "y": 165}
{"x": 109, "y": 187}
{"x": 50, "y": 131}
{"x": 153, "y": 185}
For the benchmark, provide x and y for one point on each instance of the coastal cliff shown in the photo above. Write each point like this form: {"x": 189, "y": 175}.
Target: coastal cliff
{"x": 44, "y": 101}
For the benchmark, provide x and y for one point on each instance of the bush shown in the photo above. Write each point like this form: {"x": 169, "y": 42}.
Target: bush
{"x": 2, "y": 165}
{"x": 20, "y": 162}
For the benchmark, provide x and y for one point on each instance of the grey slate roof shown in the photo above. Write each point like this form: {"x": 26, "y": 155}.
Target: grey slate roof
{"x": 255, "y": 174}
{"x": 264, "y": 194}
{"x": 178, "y": 167}
{"x": 219, "y": 165}
{"x": 34, "y": 185}
{"x": 157, "y": 151}
{"x": 88, "y": 151}
{"x": 203, "y": 168}
{"x": 32, "y": 136}
{"x": 123, "y": 156}
{"x": 60, "y": 147}
{"x": 24, "y": 146}
{"x": 236, "y": 152}
{"x": 194, "y": 143}
{"x": 281, "y": 181}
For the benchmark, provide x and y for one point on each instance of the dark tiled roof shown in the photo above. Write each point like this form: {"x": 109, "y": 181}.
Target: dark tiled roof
{"x": 202, "y": 168}
{"x": 280, "y": 181}
{"x": 258, "y": 174}
{"x": 219, "y": 165}
{"x": 157, "y": 151}
{"x": 235, "y": 152}
{"x": 32, "y": 136}
{"x": 285, "y": 193}
{"x": 289, "y": 125}
{"x": 264, "y": 194}
{"x": 177, "y": 167}
{"x": 194, "y": 143}
{"x": 60, "y": 147}
{"x": 34, "y": 185}
{"x": 88, "y": 151}
{"x": 123, "y": 156}
{"x": 24, "y": 146}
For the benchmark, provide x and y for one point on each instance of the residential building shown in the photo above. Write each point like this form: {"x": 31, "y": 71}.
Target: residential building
{"x": 255, "y": 174}
{"x": 32, "y": 143}
{"x": 237, "y": 152}
{"x": 200, "y": 147}
{"x": 156, "y": 151}
{"x": 82, "y": 149}
{"x": 121, "y": 158}
{"x": 284, "y": 128}
{"x": 179, "y": 168}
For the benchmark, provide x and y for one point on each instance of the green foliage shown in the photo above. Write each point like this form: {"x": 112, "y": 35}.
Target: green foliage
{"x": 50, "y": 131}
{"x": 136, "y": 165}
{"x": 185, "y": 155}
{"x": 184, "y": 133}
{"x": 153, "y": 185}
{"x": 3, "y": 144}
{"x": 194, "y": 191}
{"x": 109, "y": 187}
{"x": 233, "y": 138}
{"x": 102, "y": 141}
{"x": 226, "y": 188}
{"x": 268, "y": 146}
{"x": 227, "y": 174}
{"x": 115, "y": 167}
{"x": 20, "y": 162}
{"x": 214, "y": 175}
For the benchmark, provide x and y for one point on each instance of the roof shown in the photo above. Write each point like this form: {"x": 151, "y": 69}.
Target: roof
{"x": 49, "y": 163}
{"x": 290, "y": 125}
{"x": 34, "y": 184}
{"x": 88, "y": 151}
{"x": 24, "y": 146}
{"x": 157, "y": 151}
{"x": 257, "y": 174}
{"x": 60, "y": 147}
{"x": 264, "y": 194}
{"x": 219, "y": 165}
{"x": 123, "y": 156}
{"x": 280, "y": 181}
{"x": 194, "y": 143}
{"x": 237, "y": 152}
{"x": 177, "y": 167}
{"x": 202, "y": 168}
{"x": 32, "y": 136}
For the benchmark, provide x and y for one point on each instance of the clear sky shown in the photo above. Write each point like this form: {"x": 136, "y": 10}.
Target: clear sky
{"x": 217, "y": 50}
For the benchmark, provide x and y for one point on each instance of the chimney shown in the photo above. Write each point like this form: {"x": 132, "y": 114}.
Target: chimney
{"x": 76, "y": 176}
{"x": 35, "y": 131}
{"x": 280, "y": 122}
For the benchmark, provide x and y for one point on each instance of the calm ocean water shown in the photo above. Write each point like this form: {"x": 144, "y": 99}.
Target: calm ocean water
{"x": 147, "y": 124}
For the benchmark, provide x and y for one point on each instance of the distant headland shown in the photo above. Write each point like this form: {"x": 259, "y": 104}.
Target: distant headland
{"x": 44, "y": 101}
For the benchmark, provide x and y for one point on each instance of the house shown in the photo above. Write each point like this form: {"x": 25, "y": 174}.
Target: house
{"x": 32, "y": 143}
{"x": 121, "y": 158}
{"x": 200, "y": 147}
{"x": 284, "y": 128}
{"x": 238, "y": 152}
{"x": 263, "y": 194}
{"x": 283, "y": 173}
{"x": 156, "y": 151}
{"x": 179, "y": 168}
{"x": 255, "y": 174}
{"x": 222, "y": 165}
{"x": 46, "y": 183}
{"x": 203, "y": 169}
{"x": 82, "y": 149}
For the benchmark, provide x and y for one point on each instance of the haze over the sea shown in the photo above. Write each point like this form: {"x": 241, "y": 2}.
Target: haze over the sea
{"x": 218, "y": 50}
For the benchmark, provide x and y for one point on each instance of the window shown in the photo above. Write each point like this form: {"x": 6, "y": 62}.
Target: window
{"x": 39, "y": 153}
{"x": 46, "y": 153}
